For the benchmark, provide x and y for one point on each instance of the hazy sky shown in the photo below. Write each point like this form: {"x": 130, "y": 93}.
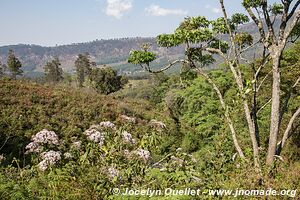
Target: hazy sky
{"x": 51, "y": 22}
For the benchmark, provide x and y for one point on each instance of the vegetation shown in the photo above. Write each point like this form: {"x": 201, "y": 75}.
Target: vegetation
{"x": 14, "y": 65}
{"x": 202, "y": 41}
{"x": 1, "y": 70}
{"x": 53, "y": 71}
{"x": 106, "y": 81}
{"x": 83, "y": 68}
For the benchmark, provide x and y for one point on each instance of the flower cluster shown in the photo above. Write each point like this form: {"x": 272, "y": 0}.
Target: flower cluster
{"x": 49, "y": 158}
{"x": 95, "y": 136}
{"x": 112, "y": 173}
{"x": 33, "y": 147}
{"x": 128, "y": 137}
{"x": 144, "y": 154}
{"x": 107, "y": 124}
{"x": 42, "y": 137}
{"x": 46, "y": 137}
{"x": 68, "y": 155}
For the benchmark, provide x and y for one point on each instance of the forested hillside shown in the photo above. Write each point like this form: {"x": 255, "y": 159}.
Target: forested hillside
{"x": 104, "y": 52}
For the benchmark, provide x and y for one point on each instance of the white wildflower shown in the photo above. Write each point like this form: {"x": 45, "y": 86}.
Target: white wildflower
{"x": 45, "y": 137}
{"x": 144, "y": 154}
{"x": 43, "y": 165}
{"x": 126, "y": 153}
{"x": 108, "y": 124}
{"x": 50, "y": 158}
{"x": 68, "y": 155}
{"x": 112, "y": 172}
{"x": 128, "y": 137}
{"x": 33, "y": 147}
{"x": 90, "y": 131}
{"x": 95, "y": 136}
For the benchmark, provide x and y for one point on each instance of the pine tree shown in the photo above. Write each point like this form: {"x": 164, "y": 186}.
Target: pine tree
{"x": 53, "y": 71}
{"x": 83, "y": 68}
{"x": 14, "y": 65}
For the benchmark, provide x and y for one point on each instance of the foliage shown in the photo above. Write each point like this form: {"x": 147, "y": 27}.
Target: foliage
{"x": 14, "y": 65}
{"x": 252, "y": 3}
{"x": 243, "y": 39}
{"x": 1, "y": 70}
{"x": 83, "y": 68}
{"x": 53, "y": 71}
{"x": 144, "y": 57}
{"x": 106, "y": 81}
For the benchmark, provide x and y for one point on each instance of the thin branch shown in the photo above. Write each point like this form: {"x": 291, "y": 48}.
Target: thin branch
{"x": 271, "y": 33}
{"x": 265, "y": 78}
{"x": 286, "y": 134}
{"x": 291, "y": 27}
{"x": 266, "y": 58}
{"x": 249, "y": 47}
{"x": 261, "y": 108}
{"x": 157, "y": 163}
{"x": 293, "y": 10}
{"x": 284, "y": 19}
{"x": 258, "y": 22}
{"x": 147, "y": 68}
{"x": 287, "y": 99}
{"x": 296, "y": 83}
{"x": 7, "y": 138}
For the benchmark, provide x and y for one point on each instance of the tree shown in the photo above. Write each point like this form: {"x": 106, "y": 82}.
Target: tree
{"x": 275, "y": 42}
{"x": 1, "y": 70}
{"x": 106, "y": 81}
{"x": 83, "y": 68}
{"x": 14, "y": 65}
{"x": 53, "y": 71}
{"x": 203, "y": 39}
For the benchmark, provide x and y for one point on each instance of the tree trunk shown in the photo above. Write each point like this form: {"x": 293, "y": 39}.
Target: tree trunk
{"x": 252, "y": 134}
{"x": 275, "y": 110}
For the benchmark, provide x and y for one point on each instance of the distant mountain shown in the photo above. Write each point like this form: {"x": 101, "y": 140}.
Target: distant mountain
{"x": 112, "y": 52}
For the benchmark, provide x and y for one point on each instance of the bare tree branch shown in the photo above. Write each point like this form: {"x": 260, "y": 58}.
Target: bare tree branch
{"x": 287, "y": 99}
{"x": 261, "y": 108}
{"x": 291, "y": 27}
{"x": 147, "y": 68}
{"x": 264, "y": 79}
{"x": 293, "y": 10}
{"x": 286, "y": 134}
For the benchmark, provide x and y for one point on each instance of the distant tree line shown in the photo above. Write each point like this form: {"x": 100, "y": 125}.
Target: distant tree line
{"x": 104, "y": 80}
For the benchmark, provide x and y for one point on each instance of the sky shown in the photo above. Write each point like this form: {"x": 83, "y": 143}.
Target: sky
{"x": 57, "y": 22}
